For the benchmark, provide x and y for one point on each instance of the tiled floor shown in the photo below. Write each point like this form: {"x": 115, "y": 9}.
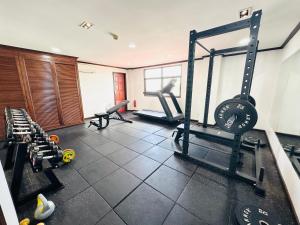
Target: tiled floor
{"x": 127, "y": 174}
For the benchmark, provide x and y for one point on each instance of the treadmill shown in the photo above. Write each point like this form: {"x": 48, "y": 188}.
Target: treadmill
{"x": 166, "y": 115}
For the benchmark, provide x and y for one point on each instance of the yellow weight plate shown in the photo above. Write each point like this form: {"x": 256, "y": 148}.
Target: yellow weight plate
{"x": 54, "y": 138}
{"x": 68, "y": 155}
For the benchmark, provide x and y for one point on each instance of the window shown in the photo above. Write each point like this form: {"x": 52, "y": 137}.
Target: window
{"x": 157, "y": 78}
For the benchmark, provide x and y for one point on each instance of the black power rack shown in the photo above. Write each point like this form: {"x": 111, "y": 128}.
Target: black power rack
{"x": 233, "y": 138}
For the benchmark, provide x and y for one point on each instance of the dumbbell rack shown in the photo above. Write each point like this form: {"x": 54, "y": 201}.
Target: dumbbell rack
{"x": 20, "y": 132}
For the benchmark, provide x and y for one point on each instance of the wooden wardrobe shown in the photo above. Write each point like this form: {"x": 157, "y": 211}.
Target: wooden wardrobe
{"x": 45, "y": 84}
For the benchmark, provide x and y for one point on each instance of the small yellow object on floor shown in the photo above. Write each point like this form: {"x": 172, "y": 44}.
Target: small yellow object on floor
{"x": 68, "y": 155}
{"x": 25, "y": 221}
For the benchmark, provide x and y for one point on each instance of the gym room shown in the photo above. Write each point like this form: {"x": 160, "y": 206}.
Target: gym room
{"x": 149, "y": 112}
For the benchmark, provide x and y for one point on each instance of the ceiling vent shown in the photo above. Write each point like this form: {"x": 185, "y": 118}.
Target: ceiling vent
{"x": 86, "y": 25}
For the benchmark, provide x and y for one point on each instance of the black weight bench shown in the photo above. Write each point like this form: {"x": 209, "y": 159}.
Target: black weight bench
{"x": 110, "y": 114}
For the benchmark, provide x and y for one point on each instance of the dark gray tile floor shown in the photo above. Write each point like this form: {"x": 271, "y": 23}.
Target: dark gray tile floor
{"x": 127, "y": 174}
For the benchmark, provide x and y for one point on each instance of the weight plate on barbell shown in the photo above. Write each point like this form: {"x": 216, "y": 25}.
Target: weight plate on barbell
{"x": 250, "y": 99}
{"x": 236, "y": 116}
{"x": 253, "y": 215}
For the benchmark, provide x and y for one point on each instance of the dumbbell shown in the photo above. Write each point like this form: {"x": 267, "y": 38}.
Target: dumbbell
{"x": 12, "y": 131}
{"x": 44, "y": 138}
{"x": 23, "y": 130}
{"x": 43, "y": 147}
{"x": 36, "y": 161}
{"x": 40, "y": 135}
{"x": 37, "y": 158}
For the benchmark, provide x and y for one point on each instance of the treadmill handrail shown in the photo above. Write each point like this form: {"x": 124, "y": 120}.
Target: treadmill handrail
{"x": 166, "y": 90}
{"x": 151, "y": 93}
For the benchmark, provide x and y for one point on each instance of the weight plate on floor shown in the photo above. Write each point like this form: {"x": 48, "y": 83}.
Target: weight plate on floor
{"x": 236, "y": 116}
{"x": 252, "y": 215}
{"x": 68, "y": 155}
{"x": 250, "y": 99}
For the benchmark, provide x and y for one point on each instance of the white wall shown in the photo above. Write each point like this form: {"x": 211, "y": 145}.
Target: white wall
{"x": 6, "y": 202}
{"x": 136, "y": 88}
{"x": 97, "y": 90}
{"x": 264, "y": 79}
{"x": 292, "y": 47}
{"x": 227, "y": 78}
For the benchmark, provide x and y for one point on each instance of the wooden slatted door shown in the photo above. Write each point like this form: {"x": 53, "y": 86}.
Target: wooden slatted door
{"x": 120, "y": 89}
{"x": 69, "y": 94}
{"x": 11, "y": 94}
{"x": 43, "y": 93}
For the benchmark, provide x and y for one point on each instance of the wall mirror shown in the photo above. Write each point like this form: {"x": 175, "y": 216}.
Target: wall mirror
{"x": 285, "y": 116}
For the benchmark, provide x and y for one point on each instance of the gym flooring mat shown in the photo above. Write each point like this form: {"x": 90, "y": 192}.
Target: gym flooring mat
{"x": 127, "y": 174}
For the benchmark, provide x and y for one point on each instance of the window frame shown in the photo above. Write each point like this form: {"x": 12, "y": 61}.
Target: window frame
{"x": 162, "y": 78}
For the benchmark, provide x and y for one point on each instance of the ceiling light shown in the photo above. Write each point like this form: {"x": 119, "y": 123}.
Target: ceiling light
{"x": 245, "y": 13}
{"x": 131, "y": 45}
{"x": 86, "y": 25}
{"x": 55, "y": 50}
{"x": 244, "y": 41}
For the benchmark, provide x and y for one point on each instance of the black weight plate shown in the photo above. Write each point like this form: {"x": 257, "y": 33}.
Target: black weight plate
{"x": 250, "y": 99}
{"x": 248, "y": 214}
{"x": 244, "y": 112}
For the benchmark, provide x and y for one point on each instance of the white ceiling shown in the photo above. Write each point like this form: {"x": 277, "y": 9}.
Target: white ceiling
{"x": 159, "y": 28}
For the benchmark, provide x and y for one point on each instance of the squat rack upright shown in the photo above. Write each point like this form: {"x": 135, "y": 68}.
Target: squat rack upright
{"x": 253, "y": 24}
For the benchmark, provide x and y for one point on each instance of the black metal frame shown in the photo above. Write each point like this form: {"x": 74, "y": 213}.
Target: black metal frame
{"x": 294, "y": 156}
{"x": 17, "y": 177}
{"x": 253, "y": 24}
{"x": 214, "y": 135}
{"x": 162, "y": 99}
{"x": 296, "y": 162}
{"x": 110, "y": 114}
{"x": 106, "y": 116}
